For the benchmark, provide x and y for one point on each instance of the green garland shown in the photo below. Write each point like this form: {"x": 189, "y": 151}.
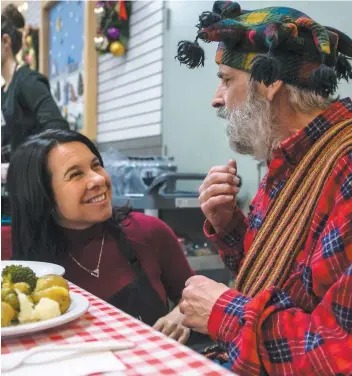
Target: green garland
{"x": 113, "y": 30}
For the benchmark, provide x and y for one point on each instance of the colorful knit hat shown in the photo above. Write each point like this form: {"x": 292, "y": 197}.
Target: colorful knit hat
{"x": 272, "y": 44}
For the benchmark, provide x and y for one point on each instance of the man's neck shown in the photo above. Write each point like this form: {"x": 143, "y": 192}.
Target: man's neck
{"x": 298, "y": 120}
{"x": 291, "y": 120}
{"x": 8, "y": 69}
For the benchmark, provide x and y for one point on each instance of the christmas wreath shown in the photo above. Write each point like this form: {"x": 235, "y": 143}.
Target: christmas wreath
{"x": 113, "y": 31}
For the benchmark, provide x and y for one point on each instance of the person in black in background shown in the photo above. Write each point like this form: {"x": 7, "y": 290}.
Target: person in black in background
{"x": 26, "y": 102}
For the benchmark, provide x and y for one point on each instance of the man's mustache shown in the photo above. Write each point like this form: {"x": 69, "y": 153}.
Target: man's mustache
{"x": 222, "y": 112}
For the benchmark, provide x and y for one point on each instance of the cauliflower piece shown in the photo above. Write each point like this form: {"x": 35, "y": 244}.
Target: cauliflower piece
{"x": 26, "y": 308}
{"x": 46, "y": 309}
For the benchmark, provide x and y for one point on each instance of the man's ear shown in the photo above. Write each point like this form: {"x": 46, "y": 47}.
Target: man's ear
{"x": 270, "y": 91}
{"x": 273, "y": 89}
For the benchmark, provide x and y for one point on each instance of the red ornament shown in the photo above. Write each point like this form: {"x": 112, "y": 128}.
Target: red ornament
{"x": 122, "y": 11}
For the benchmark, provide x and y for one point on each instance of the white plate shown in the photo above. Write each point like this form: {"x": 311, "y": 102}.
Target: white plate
{"x": 39, "y": 268}
{"x": 79, "y": 306}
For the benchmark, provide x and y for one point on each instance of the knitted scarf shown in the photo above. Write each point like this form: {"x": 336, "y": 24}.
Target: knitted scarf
{"x": 277, "y": 244}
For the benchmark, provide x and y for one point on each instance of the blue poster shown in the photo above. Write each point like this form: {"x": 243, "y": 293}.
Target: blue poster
{"x": 66, "y": 41}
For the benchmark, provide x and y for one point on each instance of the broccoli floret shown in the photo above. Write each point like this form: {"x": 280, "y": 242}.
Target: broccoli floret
{"x": 19, "y": 273}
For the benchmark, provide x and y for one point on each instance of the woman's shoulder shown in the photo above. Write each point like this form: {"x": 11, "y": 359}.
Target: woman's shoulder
{"x": 141, "y": 227}
{"x": 27, "y": 75}
{"x": 24, "y": 71}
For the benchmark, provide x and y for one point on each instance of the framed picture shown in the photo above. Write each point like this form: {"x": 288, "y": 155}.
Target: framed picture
{"x": 69, "y": 59}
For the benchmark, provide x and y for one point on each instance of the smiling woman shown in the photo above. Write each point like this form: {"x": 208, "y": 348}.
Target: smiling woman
{"x": 81, "y": 186}
{"x": 60, "y": 196}
{"x": 50, "y": 179}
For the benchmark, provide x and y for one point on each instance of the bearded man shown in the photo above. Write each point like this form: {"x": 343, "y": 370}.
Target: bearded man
{"x": 290, "y": 309}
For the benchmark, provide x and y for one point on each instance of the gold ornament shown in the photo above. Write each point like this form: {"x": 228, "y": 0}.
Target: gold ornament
{"x": 117, "y": 49}
{"x": 29, "y": 40}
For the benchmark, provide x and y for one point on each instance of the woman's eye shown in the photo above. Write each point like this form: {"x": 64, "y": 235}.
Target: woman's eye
{"x": 75, "y": 174}
{"x": 96, "y": 165}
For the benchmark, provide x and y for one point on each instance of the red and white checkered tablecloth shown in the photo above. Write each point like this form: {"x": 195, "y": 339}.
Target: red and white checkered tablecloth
{"x": 154, "y": 354}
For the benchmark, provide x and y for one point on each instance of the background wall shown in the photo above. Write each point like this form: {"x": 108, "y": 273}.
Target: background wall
{"x": 32, "y": 13}
{"x": 167, "y": 107}
{"x": 130, "y": 87}
{"x": 191, "y": 130}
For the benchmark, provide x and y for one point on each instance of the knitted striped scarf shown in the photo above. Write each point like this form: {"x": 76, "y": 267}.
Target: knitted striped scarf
{"x": 277, "y": 244}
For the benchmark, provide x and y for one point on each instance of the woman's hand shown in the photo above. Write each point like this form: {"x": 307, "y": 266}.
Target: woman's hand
{"x": 171, "y": 326}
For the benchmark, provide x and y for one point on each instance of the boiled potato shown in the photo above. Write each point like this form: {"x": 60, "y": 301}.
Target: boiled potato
{"x": 7, "y": 314}
{"x": 4, "y": 292}
{"x": 12, "y": 299}
{"x": 59, "y": 294}
{"x": 50, "y": 280}
{"x": 22, "y": 287}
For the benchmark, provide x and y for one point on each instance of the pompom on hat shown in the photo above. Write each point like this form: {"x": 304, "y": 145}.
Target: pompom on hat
{"x": 275, "y": 43}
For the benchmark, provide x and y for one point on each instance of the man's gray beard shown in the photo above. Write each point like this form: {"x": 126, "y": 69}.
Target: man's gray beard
{"x": 251, "y": 127}
{"x": 222, "y": 112}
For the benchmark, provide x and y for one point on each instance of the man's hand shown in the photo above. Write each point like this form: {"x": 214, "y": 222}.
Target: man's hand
{"x": 218, "y": 196}
{"x": 198, "y": 299}
{"x": 171, "y": 326}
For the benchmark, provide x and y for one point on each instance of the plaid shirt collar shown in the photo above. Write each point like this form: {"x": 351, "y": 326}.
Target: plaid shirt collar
{"x": 295, "y": 147}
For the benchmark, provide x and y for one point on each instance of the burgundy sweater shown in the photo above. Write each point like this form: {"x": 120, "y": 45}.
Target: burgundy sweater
{"x": 156, "y": 246}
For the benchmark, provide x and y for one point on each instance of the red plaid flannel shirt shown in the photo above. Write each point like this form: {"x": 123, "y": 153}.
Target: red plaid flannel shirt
{"x": 305, "y": 328}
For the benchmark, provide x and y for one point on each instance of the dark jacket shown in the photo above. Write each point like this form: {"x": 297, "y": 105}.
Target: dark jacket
{"x": 28, "y": 108}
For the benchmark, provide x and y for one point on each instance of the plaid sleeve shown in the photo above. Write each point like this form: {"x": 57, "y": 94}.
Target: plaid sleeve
{"x": 269, "y": 332}
{"x": 272, "y": 331}
{"x": 230, "y": 244}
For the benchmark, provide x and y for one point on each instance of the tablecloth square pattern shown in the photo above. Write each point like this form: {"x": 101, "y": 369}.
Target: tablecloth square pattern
{"x": 154, "y": 354}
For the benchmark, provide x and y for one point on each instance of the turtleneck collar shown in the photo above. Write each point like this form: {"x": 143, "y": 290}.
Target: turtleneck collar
{"x": 82, "y": 237}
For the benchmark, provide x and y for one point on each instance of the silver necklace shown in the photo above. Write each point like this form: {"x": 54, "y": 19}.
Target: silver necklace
{"x": 95, "y": 272}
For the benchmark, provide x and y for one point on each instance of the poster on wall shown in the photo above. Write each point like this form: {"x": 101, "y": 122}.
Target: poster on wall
{"x": 66, "y": 38}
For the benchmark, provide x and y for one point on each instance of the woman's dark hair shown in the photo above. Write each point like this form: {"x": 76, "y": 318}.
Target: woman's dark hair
{"x": 12, "y": 12}
{"x": 11, "y": 21}
{"x": 35, "y": 234}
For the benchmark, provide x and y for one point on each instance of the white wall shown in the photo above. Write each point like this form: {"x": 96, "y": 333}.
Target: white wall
{"x": 130, "y": 87}
{"x": 32, "y": 14}
{"x": 191, "y": 130}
